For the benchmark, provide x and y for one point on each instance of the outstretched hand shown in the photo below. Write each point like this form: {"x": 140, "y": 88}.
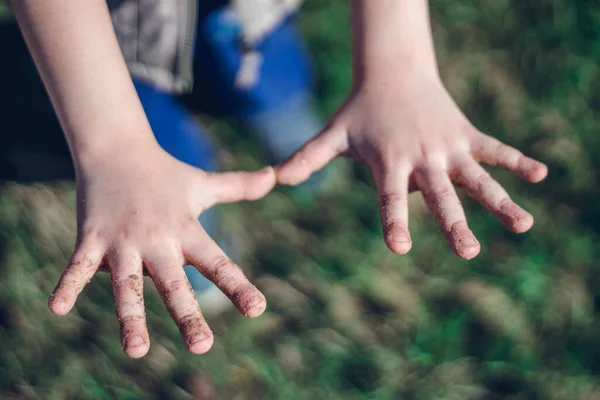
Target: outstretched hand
{"x": 414, "y": 137}
{"x": 139, "y": 214}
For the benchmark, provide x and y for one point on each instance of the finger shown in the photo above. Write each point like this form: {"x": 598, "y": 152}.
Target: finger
{"x": 441, "y": 199}
{"x": 230, "y": 187}
{"x": 392, "y": 188}
{"x": 83, "y": 265}
{"x": 128, "y": 293}
{"x": 478, "y": 183}
{"x": 178, "y": 296}
{"x": 495, "y": 153}
{"x": 203, "y": 253}
{"x": 313, "y": 156}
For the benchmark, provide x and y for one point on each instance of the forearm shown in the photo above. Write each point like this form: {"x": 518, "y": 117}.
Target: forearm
{"x": 391, "y": 37}
{"x": 75, "y": 49}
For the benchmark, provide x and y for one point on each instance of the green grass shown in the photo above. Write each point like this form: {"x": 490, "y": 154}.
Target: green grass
{"x": 4, "y": 12}
{"x": 346, "y": 318}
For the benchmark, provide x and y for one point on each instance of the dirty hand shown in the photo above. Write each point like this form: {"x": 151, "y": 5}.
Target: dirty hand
{"x": 413, "y": 136}
{"x": 138, "y": 214}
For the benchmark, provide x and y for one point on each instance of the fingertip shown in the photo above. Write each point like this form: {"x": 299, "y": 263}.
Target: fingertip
{"x": 399, "y": 241}
{"x": 60, "y": 308}
{"x": 467, "y": 248}
{"x": 462, "y": 240}
{"x": 236, "y": 186}
{"x": 266, "y": 182}
{"x": 267, "y": 172}
{"x": 136, "y": 347}
{"x": 292, "y": 174}
{"x": 200, "y": 343}
{"x": 136, "y": 352}
{"x": 400, "y": 248}
{"x": 256, "y": 307}
{"x": 249, "y": 300}
{"x": 523, "y": 224}
{"x": 515, "y": 218}
{"x": 314, "y": 155}
{"x": 538, "y": 172}
{"x": 59, "y": 305}
{"x": 468, "y": 253}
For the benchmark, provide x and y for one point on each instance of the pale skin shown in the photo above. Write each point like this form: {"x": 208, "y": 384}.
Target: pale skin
{"x": 400, "y": 120}
{"x": 138, "y": 206}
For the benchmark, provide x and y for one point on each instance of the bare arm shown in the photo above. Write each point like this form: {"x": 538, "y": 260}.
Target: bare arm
{"x": 391, "y": 37}
{"x": 137, "y": 206}
{"x": 401, "y": 121}
{"x": 75, "y": 49}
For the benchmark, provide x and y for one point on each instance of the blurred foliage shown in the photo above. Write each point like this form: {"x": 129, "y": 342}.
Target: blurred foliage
{"x": 346, "y": 318}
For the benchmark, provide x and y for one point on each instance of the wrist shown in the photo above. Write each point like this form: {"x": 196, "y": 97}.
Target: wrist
{"x": 95, "y": 151}
{"x": 392, "y": 40}
{"x": 391, "y": 72}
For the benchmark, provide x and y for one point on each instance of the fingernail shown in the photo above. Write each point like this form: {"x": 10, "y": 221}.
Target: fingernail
{"x": 57, "y": 302}
{"x": 256, "y": 306}
{"x": 58, "y": 305}
{"x": 135, "y": 341}
{"x": 520, "y": 214}
{"x": 197, "y": 338}
{"x": 470, "y": 241}
{"x": 400, "y": 237}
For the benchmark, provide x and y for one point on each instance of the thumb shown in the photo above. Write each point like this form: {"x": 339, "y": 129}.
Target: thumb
{"x": 314, "y": 155}
{"x": 229, "y": 187}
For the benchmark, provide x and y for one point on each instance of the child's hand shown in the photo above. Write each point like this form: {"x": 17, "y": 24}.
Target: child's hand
{"x": 140, "y": 211}
{"x": 412, "y": 136}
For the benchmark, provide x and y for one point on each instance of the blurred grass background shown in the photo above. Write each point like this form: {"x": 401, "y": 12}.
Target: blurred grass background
{"x": 347, "y": 319}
